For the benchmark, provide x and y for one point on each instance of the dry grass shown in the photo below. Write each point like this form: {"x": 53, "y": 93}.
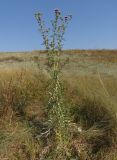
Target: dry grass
{"x": 91, "y": 99}
{"x": 17, "y": 142}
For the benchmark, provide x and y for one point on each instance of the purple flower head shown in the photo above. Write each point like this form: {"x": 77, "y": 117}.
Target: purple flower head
{"x": 66, "y": 18}
{"x": 57, "y": 12}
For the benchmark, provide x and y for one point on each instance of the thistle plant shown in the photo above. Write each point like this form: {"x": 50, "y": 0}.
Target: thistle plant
{"x": 53, "y": 41}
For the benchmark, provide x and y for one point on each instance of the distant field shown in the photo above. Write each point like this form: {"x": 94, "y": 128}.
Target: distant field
{"x": 78, "y": 62}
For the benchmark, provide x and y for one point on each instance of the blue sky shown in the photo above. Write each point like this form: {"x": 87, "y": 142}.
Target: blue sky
{"x": 94, "y": 23}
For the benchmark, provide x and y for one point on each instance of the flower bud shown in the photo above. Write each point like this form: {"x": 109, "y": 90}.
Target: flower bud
{"x": 70, "y": 16}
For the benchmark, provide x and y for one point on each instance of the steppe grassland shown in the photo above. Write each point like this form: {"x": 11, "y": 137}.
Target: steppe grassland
{"x": 90, "y": 81}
